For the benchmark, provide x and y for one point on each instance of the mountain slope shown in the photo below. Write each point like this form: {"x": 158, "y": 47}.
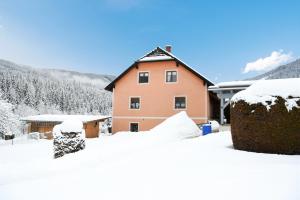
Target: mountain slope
{"x": 290, "y": 70}
{"x": 41, "y": 91}
{"x": 98, "y": 80}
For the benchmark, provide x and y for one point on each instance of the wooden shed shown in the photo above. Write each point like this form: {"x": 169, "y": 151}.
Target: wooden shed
{"x": 45, "y": 123}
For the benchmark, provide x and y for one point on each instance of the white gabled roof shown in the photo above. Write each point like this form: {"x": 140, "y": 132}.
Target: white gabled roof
{"x": 154, "y": 58}
{"x": 61, "y": 118}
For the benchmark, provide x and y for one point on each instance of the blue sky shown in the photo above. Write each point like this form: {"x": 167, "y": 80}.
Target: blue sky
{"x": 218, "y": 38}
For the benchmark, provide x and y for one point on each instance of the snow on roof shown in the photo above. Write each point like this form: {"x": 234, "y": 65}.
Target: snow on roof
{"x": 232, "y": 85}
{"x": 61, "y": 118}
{"x": 154, "y": 58}
{"x": 266, "y": 91}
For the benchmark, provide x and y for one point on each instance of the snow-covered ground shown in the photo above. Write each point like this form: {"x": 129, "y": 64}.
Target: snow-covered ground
{"x": 145, "y": 166}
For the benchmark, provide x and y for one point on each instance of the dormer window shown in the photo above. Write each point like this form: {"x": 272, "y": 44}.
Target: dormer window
{"x": 143, "y": 77}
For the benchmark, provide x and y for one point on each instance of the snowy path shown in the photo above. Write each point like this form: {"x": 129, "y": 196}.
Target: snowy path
{"x": 140, "y": 166}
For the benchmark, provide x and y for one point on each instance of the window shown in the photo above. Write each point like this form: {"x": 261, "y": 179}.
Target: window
{"x": 134, "y": 103}
{"x": 180, "y": 102}
{"x": 171, "y": 76}
{"x": 134, "y": 127}
{"x": 143, "y": 77}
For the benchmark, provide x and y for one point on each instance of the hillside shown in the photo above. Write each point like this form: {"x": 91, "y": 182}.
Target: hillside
{"x": 40, "y": 91}
{"x": 290, "y": 70}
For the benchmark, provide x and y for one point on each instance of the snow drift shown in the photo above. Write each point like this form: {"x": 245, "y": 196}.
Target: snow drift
{"x": 178, "y": 126}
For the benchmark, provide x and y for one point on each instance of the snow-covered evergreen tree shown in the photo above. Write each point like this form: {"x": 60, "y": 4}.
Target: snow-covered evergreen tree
{"x": 9, "y": 122}
{"x": 35, "y": 91}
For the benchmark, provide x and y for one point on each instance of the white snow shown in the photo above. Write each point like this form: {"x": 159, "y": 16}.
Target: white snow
{"x": 267, "y": 91}
{"x": 178, "y": 126}
{"x": 69, "y": 126}
{"x": 154, "y": 58}
{"x": 215, "y": 126}
{"x": 235, "y": 83}
{"x": 61, "y": 118}
{"x": 138, "y": 166}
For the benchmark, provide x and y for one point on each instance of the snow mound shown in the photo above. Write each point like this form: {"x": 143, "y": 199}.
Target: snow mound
{"x": 178, "y": 126}
{"x": 267, "y": 91}
{"x": 71, "y": 125}
{"x": 215, "y": 126}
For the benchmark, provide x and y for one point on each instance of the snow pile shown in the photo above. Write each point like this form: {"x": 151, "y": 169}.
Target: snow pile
{"x": 178, "y": 126}
{"x": 71, "y": 125}
{"x": 266, "y": 92}
{"x": 68, "y": 137}
{"x": 215, "y": 126}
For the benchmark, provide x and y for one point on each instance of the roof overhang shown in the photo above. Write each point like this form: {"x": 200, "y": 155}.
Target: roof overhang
{"x": 61, "y": 118}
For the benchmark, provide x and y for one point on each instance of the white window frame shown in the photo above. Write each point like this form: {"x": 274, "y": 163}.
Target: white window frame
{"x": 138, "y": 77}
{"x": 138, "y": 123}
{"x": 174, "y": 102}
{"x": 171, "y": 70}
{"x": 129, "y": 102}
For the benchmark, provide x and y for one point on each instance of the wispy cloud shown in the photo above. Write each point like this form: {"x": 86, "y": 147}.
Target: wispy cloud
{"x": 276, "y": 59}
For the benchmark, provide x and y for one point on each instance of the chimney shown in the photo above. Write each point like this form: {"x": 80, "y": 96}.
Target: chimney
{"x": 168, "y": 48}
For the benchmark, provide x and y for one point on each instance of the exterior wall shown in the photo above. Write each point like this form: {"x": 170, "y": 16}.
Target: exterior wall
{"x": 91, "y": 129}
{"x": 157, "y": 96}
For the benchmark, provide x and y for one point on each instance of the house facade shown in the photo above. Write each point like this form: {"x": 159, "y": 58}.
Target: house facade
{"x": 156, "y": 87}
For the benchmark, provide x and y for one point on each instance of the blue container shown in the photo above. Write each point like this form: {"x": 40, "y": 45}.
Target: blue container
{"x": 206, "y": 129}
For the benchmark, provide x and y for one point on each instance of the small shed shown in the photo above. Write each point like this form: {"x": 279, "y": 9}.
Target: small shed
{"x": 45, "y": 123}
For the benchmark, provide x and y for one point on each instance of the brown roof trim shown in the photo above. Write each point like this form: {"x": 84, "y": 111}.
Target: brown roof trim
{"x": 110, "y": 86}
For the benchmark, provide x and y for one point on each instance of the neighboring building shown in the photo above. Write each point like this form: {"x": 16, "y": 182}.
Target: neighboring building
{"x": 157, "y": 86}
{"x": 225, "y": 91}
{"x": 45, "y": 123}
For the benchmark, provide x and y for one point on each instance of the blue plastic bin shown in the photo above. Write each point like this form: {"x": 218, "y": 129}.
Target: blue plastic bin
{"x": 206, "y": 129}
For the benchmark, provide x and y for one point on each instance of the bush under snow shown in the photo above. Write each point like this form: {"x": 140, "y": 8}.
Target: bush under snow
{"x": 68, "y": 137}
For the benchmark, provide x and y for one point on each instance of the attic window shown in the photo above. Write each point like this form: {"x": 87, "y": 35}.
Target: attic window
{"x": 143, "y": 77}
{"x": 171, "y": 76}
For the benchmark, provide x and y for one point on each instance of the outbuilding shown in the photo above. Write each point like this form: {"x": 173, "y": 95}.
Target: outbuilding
{"x": 45, "y": 123}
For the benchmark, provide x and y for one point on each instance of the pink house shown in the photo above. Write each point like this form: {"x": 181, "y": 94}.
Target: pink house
{"x": 155, "y": 87}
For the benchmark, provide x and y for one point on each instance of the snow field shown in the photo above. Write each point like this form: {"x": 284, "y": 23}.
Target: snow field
{"x": 140, "y": 166}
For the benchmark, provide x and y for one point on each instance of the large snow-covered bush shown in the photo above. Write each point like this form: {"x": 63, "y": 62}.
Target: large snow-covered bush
{"x": 178, "y": 126}
{"x": 68, "y": 137}
{"x": 9, "y": 122}
{"x": 266, "y": 117}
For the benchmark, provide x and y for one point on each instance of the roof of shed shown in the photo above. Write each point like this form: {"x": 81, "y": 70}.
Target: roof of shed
{"x": 61, "y": 118}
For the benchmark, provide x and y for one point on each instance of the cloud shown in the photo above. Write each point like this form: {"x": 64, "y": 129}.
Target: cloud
{"x": 276, "y": 59}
